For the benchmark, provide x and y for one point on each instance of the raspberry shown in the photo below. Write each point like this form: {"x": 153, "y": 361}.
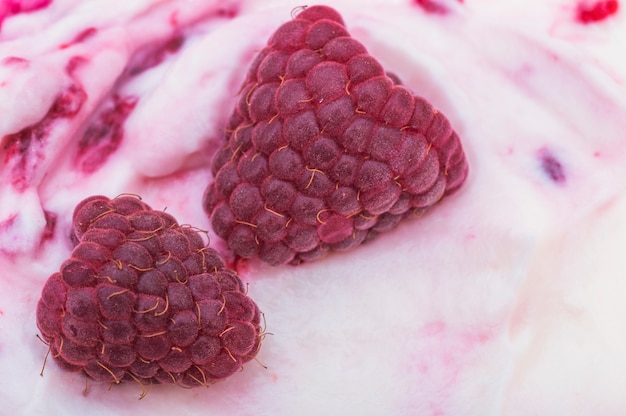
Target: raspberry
{"x": 143, "y": 298}
{"x": 324, "y": 149}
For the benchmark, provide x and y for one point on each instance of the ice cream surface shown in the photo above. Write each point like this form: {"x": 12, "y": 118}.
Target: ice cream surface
{"x": 505, "y": 299}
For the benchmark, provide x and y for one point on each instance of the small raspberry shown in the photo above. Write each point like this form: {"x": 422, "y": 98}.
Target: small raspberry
{"x": 324, "y": 149}
{"x": 143, "y": 298}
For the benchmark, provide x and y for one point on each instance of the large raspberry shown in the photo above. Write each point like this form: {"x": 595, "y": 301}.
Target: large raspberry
{"x": 324, "y": 150}
{"x": 143, "y": 298}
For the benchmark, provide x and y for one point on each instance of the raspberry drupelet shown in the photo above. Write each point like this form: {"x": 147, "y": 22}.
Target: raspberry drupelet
{"x": 143, "y": 298}
{"x": 324, "y": 149}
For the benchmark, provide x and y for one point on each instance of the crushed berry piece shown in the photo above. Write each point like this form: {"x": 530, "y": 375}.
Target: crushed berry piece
{"x": 552, "y": 167}
{"x": 596, "y": 12}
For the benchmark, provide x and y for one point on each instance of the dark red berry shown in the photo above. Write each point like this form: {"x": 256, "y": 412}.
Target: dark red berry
{"x": 324, "y": 150}
{"x": 143, "y": 298}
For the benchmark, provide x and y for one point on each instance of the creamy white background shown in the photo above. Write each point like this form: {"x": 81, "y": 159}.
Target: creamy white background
{"x": 506, "y": 299}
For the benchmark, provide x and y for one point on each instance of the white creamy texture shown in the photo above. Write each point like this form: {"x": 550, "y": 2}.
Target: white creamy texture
{"x": 505, "y": 299}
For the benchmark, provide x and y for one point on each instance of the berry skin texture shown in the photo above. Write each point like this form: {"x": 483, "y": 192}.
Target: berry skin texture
{"x": 143, "y": 298}
{"x": 324, "y": 149}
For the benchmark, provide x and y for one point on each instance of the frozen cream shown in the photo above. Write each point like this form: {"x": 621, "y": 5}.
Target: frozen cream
{"x": 505, "y": 299}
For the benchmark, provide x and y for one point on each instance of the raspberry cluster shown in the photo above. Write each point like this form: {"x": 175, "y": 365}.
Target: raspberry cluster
{"x": 324, "y": 150}
{"x": 143, "y": 298}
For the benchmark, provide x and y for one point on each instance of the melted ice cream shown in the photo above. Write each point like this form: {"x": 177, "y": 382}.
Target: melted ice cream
{"x": 504, "y": 299}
